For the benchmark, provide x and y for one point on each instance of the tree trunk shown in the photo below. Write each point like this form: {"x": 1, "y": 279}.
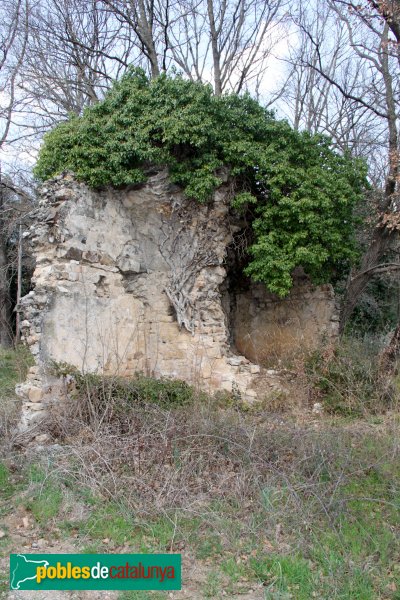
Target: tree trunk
{"x": 19, "y": 286}
{"x": 5, "y": 308}
{"x": 5, "y": 312}
{"x": 357, "y": 284}
{"x": 392, "y": 352}
{"x": 145, "y": 32}
{"x": 214, "y": 47}
{"x": 382, "y": 237}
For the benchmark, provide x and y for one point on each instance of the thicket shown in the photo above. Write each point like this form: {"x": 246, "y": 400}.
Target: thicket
{"x": 297, "y": 192}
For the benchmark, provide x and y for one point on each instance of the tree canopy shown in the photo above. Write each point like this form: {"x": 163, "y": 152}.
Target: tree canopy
{"x": 298, "y": 191}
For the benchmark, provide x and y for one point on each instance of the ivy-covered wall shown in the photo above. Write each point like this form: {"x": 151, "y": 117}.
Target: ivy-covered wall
{"x": 296, "y": 193}
{"x": 125, "y": 282}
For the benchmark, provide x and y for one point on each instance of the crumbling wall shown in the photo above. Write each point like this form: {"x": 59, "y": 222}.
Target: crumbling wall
{"x": 130, "y": 281}
{"x": 271, "y": 331}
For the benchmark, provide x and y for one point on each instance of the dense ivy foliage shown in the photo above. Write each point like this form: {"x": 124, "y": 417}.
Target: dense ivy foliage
{"x": 298, "y": 192}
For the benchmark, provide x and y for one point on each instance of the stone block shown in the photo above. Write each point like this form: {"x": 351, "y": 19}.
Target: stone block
{"x": 42, "y": 438}
{"x": 206, "y": 370}
{"x": 214, "y": 351}
{"x": 234, "y": 361}
{"x": 73, "y": 254}
{"x": 226, "y": 386}
{"x": 92, "y": 256}
{"x": 35, "y": 394}
{"x": 34, "y": 406}
{"x": 22, "y": 390}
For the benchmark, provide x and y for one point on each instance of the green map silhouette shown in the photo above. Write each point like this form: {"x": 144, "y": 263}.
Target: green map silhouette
{"x": 25, "y": 570}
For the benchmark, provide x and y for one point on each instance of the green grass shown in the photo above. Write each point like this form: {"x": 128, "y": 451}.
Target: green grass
{"x": 213, "y": 585}
{"x": 93, "y": 548}
{"x": 6, "y": 486}
{"x": 285, "y": 574}
{"x": 133, "y": 595}
{"x": 333, "y": 564}
{"x": 4, "y": 585}
{"x": 336, "y": 503}
{"x": 44, "y": 494}
{"x": 14, "y": 365}
{"x": 45, "y": 502}
{"x": 209, "y": 546}
{"x": 13, "y": 368}
{"x": 349, "y": 551}
{"x": 108, "y": 521}
{"x": 9, "y": 375}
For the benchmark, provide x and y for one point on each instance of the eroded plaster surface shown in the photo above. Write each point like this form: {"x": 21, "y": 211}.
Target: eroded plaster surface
{"x": 130, "y": 281}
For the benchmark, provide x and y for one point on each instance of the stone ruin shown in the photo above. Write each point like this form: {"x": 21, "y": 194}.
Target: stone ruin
{"x": 140, "y": 280}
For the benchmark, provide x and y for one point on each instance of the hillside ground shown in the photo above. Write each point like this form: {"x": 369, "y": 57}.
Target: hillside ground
{"x": 261, "y": 504}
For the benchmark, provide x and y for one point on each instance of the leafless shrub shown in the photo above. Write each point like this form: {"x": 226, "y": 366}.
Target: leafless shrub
{"x": 349, "y": 379}
{"x": 158, "y": 459}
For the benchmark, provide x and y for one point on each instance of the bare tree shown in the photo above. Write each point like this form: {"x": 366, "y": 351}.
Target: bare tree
{"x": 146, "y": 20}
{"x": 345, "y": 83}
{"x": 239, "y": 33}
{"x": 74, "y": 52}
{"x": 371, "y": 40}
{"x": 321, "y": 53}
{"x": 59, "y": 56}
{"x": 228, "y": 42}
{"x": 13, "y": 21}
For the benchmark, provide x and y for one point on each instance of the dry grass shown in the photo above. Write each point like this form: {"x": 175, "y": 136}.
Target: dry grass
{"x": 305, "y": 507}
{"x": 301, "y": 506}
{"x": 156, "y": 456}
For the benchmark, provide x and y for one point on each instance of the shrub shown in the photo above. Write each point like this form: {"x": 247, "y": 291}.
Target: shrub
{"x": 115, "y": 402}
{"x": 297, "y": 192}
{"x": 350, "y": 381}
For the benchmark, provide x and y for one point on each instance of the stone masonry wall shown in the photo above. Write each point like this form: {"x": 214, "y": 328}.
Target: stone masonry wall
{"x": 130, "y": 281}
{"x": 270, "y": 331}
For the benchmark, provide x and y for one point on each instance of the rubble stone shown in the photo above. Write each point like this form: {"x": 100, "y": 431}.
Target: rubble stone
{"x": 134, "y": 280}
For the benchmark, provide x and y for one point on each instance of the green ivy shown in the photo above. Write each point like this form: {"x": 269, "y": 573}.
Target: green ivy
{"x": 297, "y": 192}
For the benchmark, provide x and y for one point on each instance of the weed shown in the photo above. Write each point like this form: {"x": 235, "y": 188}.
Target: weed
{"x": 93, "y": 548}
{"x": 235, "y": 569}
{"x": 13, "y": 368}
{"x": 133, "y": 595}
{"x": 284, "y": 574}
{"x": 349, "y": 381}
{"x": 6, "y": 486}
{"x": 209, "y": 547}
{"x": 303, "y": 511}
{"x": 212, "y": 585}
{"x": 37, "y": 473}
{"x": 45, "y": 502}
{"x": 4, "y": 585}
{"x": 109, "y": 521}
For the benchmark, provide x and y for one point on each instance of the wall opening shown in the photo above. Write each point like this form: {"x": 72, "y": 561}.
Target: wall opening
{"x": 235, "y": 282}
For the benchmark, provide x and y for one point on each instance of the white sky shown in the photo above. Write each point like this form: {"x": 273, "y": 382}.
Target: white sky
{"x": 23, "y": 153}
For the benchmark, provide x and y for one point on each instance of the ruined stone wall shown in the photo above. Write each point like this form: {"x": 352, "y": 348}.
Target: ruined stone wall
{"x": 271, "y": 331}
{"x": 130, "y": 281}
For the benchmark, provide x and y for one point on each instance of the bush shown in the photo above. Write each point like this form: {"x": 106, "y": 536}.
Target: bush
{"x": 114, "y": 402}
{"x": 350, "y": 381}
{"x": 297, "y": 192}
